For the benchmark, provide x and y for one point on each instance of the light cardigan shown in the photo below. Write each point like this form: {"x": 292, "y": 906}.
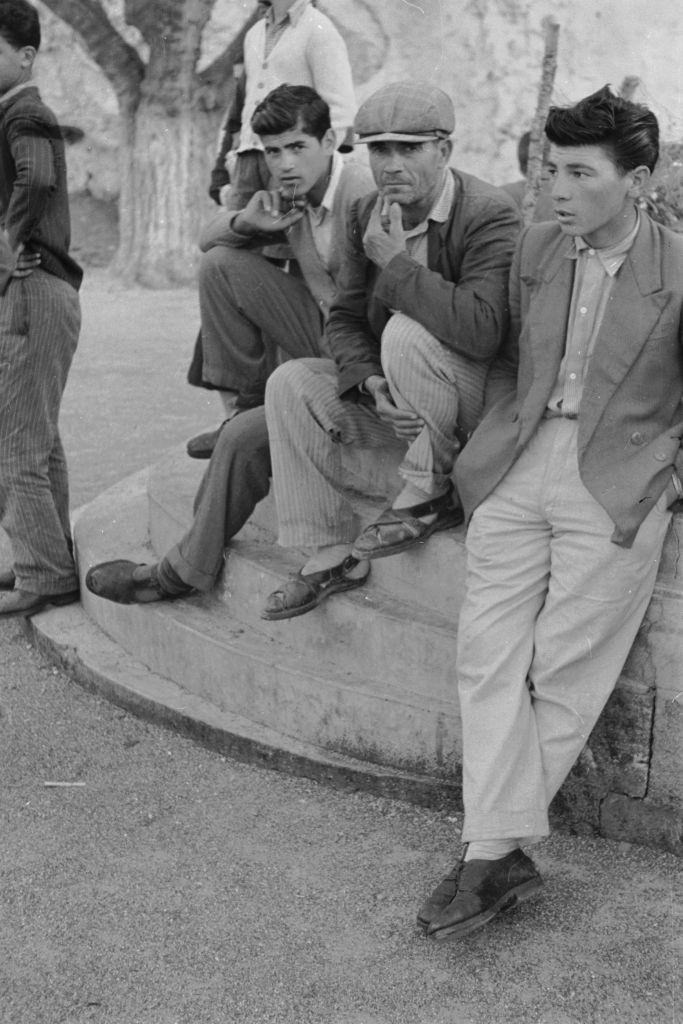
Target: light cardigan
{"x": 310, "y": 51}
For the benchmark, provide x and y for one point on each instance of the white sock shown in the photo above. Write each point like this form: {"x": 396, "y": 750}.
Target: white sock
{"x": 490, "y": 849}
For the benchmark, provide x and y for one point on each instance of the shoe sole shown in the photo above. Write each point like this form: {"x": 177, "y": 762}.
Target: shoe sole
{"x": 509, "y": 901}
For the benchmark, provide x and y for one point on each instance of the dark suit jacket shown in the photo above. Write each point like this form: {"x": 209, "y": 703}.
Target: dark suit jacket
{"x": 460, "y": 297}
{"x": 630, "y": 420}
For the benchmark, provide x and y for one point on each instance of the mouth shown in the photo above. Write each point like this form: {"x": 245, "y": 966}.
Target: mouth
{"x": 564, "y": 216}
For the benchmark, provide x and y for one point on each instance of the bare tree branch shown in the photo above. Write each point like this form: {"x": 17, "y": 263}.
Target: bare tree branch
{"x": 533, "y": 181}
{"x": 119, "y": 61}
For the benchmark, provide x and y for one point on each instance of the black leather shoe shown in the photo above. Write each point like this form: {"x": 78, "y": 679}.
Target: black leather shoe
{"x": 441, "y": 897}
{"x": 128, "y": 583}
{"x": 24, "y": 602}
{"x": 485, "y": 888}
{"x": 202, "y": 445}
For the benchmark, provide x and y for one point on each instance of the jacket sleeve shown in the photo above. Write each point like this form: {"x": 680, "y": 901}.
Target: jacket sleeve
{"x": 502, "y": 378}
{"x": 35, "y": 180}
{"x": 355, "y": 350}
{"x": 468, "y": 315}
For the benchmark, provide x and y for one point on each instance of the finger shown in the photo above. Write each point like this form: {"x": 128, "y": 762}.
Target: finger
{"x": 395, "y": 219}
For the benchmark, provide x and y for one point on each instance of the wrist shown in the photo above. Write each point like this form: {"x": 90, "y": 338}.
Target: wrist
{"x": 678, "y": 486}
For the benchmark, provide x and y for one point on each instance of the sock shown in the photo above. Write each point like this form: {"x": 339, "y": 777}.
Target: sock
{"x": 411, "y": 495}
{"x": 490, "y": 849}
{"x": 169, "y": 580}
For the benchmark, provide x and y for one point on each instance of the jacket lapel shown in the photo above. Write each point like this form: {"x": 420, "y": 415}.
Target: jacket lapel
{"x": 634, "y": 307}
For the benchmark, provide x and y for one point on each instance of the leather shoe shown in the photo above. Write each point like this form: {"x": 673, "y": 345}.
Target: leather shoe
{"x": 441, "y": 897}
{"x": 485, "y": 888}
{"x": 302, "y": 593}
{"x": 128, "y": 582}
{"x": 202, "y": 445}
{"x": 23, "y": 602}
{"x": 398, "y": 529}
{"x": 7, "y": 579}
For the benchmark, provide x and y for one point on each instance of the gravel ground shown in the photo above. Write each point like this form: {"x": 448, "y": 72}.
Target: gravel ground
{"x": 177, "y": 887}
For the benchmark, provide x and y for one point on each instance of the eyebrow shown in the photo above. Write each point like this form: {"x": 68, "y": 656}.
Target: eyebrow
{"x": 572, "y": 167}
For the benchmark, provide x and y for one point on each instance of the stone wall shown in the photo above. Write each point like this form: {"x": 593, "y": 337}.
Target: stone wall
{"x": 485, "y": 53}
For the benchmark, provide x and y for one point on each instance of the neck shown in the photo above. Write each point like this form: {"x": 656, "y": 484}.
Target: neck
{"x": 316, "y": 194}
{"x": 280, "y": 8}
{"x": 618, "y": 232}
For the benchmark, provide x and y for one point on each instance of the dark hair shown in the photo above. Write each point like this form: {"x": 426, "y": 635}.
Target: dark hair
{"x": 19, "y": 24}
{"x": 629, "y": 131}
{"x": 289, "y": 106}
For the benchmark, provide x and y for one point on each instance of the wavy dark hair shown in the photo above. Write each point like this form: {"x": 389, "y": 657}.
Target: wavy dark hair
{"x": 288, "y": 106}
{"x": 629, "y": 131}
{"x": 19, "y": 24}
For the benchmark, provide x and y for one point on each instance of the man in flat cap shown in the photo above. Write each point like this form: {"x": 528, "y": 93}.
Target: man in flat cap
{"x": 420, "y": 312}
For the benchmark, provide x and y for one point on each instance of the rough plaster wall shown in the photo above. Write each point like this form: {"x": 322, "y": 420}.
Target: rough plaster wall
{"x": 485, "y": 53}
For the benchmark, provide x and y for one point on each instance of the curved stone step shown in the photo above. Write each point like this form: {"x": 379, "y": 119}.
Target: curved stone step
{"x": 328, "y": 677}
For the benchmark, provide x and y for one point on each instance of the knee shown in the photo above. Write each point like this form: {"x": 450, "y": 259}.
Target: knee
{"x": 406, "y": 345}
{"x": 285, "y": 384}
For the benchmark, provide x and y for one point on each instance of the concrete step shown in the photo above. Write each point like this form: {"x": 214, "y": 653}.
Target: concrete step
{"x": 429, "y": 575}
{"x": 329, "y": 677}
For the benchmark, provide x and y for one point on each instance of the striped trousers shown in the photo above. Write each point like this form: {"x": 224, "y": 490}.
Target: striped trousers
{"x": 308, "y": 423}
{"x": 39, "y": 324}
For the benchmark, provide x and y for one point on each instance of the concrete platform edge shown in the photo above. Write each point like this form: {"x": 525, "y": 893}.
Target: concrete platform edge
{"x": 70, "y": 640}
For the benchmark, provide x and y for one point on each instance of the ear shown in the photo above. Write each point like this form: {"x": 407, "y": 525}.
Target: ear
{"x": 445, "y": 147}
{"x": 28, "y": 55}
{"x": 640, "y": 176}
{"x": 329, "y": 141}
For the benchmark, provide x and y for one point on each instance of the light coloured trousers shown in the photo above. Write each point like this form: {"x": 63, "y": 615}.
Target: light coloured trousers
{"x": 308, "y": 423}
{"x": 39, "y": 324}
{"x": 551, "y": 610}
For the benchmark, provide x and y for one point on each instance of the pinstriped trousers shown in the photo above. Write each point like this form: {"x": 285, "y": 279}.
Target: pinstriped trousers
{"x": 39, "y": 324}
{"x": 308, "y": 423}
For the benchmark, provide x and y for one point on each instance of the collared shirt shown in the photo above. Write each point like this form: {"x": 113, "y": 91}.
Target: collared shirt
{"x": 593, "y": 280}
{"x": 274, "y": 29}
{"x": 416, "y": 238}
{"x": 15, "y": 89}
{"x": 320, "y": 217}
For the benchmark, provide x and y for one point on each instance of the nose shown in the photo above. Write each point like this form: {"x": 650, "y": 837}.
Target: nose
{"x": 560, "y": 188}
{"x": 393, "y": 163}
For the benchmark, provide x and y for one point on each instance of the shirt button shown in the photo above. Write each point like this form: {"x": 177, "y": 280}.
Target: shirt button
{"x": 637, "y": 438}
{"x": 591, "y": 252}
{"x": 661, "y": 457}
{"x": 572, "y": 376}
{"x": 583, "y": 311}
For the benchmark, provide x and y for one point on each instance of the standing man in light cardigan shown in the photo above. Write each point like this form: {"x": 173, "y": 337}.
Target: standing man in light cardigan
{"x": 294, "y": 43}
{"x": 244, "y": 299}
{"x": 567, "y": 485}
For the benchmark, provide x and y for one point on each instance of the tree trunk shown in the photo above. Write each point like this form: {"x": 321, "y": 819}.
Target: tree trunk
{"x": 163, "y": 199}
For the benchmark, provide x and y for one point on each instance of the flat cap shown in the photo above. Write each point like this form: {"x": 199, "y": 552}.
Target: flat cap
{"x": 405, "y": 112}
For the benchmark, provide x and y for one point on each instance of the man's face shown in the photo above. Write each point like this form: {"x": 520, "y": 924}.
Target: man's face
{"x": 14, "y": 68}
{"x": 409, "y": 173}
{"x": 298, "y": 161}
{"x": 591, "y": 196}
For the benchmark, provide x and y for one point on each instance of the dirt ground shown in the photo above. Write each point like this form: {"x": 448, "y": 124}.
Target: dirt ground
{"x": 174, "y": 886}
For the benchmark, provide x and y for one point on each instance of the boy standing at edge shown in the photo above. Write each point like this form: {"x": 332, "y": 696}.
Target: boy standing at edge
{"x": 39, "y": 324}
{"x": 567, "y": 484}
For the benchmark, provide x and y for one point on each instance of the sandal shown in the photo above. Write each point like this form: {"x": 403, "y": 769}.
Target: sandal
{"x": 398, "y": 529}
{"x": 301, "y": 594}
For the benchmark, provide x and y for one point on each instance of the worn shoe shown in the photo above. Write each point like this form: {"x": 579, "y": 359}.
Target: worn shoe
{"x": 128, "y": 582}
{"x": 441, "y": 897}
{"x": 301, "y": 593}
{"x": 7, "y": 579}
{"x": 484, "y": 889}
{"x": 23, "y": 602}
{"x": 202, "y": 446}
{"x": 398, "y": 529}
